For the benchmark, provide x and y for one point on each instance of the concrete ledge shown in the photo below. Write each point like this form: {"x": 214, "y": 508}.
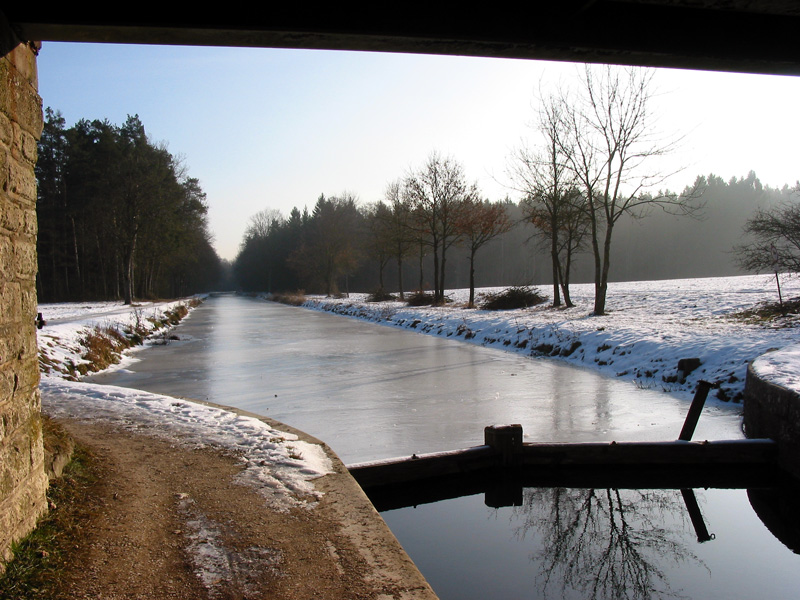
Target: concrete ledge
{"x": 345, "y": 503}
{"x": 772, "y": 411}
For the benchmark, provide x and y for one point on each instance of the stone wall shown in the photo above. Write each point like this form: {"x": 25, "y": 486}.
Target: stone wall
{"x": 22, "y": 478}
{"x": 772, "y": 411}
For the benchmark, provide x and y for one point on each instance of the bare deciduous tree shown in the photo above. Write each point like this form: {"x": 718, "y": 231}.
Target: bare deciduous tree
{"x": 776, "y": 246}
{"x": 552, "y": 202}
{"x": 399, "y": 228}
{"x": 610, "y": 148}
{"x": 479, "y": 223}
{"x": 436, "y": 193}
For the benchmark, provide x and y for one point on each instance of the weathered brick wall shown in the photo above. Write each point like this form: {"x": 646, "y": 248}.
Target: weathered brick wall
{"x": 22, "y": 478}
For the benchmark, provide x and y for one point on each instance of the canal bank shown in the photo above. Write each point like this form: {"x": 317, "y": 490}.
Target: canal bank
{"x": 175, "y": 500}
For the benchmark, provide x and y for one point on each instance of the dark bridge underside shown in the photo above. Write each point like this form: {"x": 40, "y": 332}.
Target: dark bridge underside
{"x": 758, "y": 36}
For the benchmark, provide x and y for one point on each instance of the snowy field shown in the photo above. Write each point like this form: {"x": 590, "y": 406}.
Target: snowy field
{"x": 650, "y": 326}
{"x": 276, "y": 463}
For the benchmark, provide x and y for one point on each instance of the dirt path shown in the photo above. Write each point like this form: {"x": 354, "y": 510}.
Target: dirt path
{"x": 171, "y": 522}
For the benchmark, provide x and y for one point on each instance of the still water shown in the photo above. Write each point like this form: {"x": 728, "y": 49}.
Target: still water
{"x": 375, "y": 392}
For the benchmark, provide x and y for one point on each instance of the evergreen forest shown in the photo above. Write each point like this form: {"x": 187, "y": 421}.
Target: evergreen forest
{"x": 118, "y": 216}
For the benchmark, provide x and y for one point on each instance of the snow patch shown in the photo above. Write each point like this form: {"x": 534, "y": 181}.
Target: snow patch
{"x": 276, "y": 463}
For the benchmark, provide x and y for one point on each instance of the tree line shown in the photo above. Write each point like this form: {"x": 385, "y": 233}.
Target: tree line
{"x": 584, "y": 188}
{"x": 421, "y": 218}
{"x": 119, "y": 216}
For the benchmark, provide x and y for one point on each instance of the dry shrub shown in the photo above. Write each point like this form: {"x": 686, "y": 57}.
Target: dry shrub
{"x": 521, "y": 296}
{"x": 420, "y": 298}
{"x": 104, "y": 345}
{"x": 291, "y": 298}
{"x": 380, "y": 295}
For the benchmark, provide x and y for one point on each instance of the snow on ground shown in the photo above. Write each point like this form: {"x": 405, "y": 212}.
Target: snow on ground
{"x": 276, "y": 463}
{"x": 61, "y": 340}
{"x": 649, "y": 327}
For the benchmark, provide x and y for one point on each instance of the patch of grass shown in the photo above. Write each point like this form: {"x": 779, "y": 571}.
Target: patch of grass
{"x": 103, "y": 345}
{"x": 772, "y": 313}
{"x": 39, "y": 559}
{"x": 514, "y": 297}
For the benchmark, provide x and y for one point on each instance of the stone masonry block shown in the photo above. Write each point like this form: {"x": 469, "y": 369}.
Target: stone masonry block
{"x": 27, "y": 380}
{"x": 22, "y": 478}
{"x": 12, "y": 346}
{"x": 29, "y": 303}
{"x": 21, "y": 181}
{"x": 6, "y": 256}
{"x": 19, "y": 99}
{"x": 12, "y": 217}
{"x": 21, "y": 509}
{"x": 27, "y": 145}
{"x": 11, "y": 300}
{"x": 25, "y": 258}
{"x": 4, "y": 154}
{"x": 29, "y": 226}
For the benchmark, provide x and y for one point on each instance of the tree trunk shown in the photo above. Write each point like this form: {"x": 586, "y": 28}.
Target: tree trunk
{"x": 471, "y": 279}
{"x": 436, "y": 299}
{"x": 127, "y": 272}
{"x": 421, "y": 272}
{"x": 441, "y": 274}
{"x": 554, "y": 257}
{"x": 400, "y": 276}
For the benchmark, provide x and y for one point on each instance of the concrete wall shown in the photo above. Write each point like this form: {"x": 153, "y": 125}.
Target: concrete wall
{"x": 772, "y": 411}
{"x": 22, "y": 478}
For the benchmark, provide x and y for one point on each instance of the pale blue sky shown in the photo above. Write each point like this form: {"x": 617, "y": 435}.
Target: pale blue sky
{"x": 268, "y": 128}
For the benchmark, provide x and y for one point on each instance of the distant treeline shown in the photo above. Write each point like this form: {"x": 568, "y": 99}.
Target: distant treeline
{"x": 119, "y": 218}
{"x": 340, "y": 238}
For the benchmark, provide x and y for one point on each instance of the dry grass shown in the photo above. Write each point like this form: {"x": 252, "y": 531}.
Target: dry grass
{"x": 772, "y": 314}
{"x": 291, "y": 298}
{"x": 104, "y": 347}
{"x": 420, "y": 298}
{"x": 514, "y": 297}
{"x": 39, "y": 559}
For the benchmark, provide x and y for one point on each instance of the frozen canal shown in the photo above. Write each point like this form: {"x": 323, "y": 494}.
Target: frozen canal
{"x": 377, "y": 392}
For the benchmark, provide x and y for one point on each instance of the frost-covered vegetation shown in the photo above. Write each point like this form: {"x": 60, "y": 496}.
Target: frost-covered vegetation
{"x": 81, "y": 338}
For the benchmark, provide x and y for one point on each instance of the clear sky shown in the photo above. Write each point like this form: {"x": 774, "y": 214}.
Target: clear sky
{"x": 265, "y": 128}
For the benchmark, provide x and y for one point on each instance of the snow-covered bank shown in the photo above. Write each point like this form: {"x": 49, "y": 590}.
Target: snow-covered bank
{"x": 276, "y": 463}
{"x": 63, "y": 341}
{"x": 649, "y": 328}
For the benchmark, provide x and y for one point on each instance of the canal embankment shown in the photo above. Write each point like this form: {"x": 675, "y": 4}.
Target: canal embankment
{"x": 662, "y": 335}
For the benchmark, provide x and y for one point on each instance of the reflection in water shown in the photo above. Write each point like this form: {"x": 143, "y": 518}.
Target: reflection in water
{"x": 604, "y": 543}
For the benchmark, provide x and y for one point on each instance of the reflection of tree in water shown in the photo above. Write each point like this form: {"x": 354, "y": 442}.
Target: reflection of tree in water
{"x": 605, "y": 543}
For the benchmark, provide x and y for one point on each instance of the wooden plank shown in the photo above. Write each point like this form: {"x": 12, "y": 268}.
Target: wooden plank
{"x": 565, "y": 456}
